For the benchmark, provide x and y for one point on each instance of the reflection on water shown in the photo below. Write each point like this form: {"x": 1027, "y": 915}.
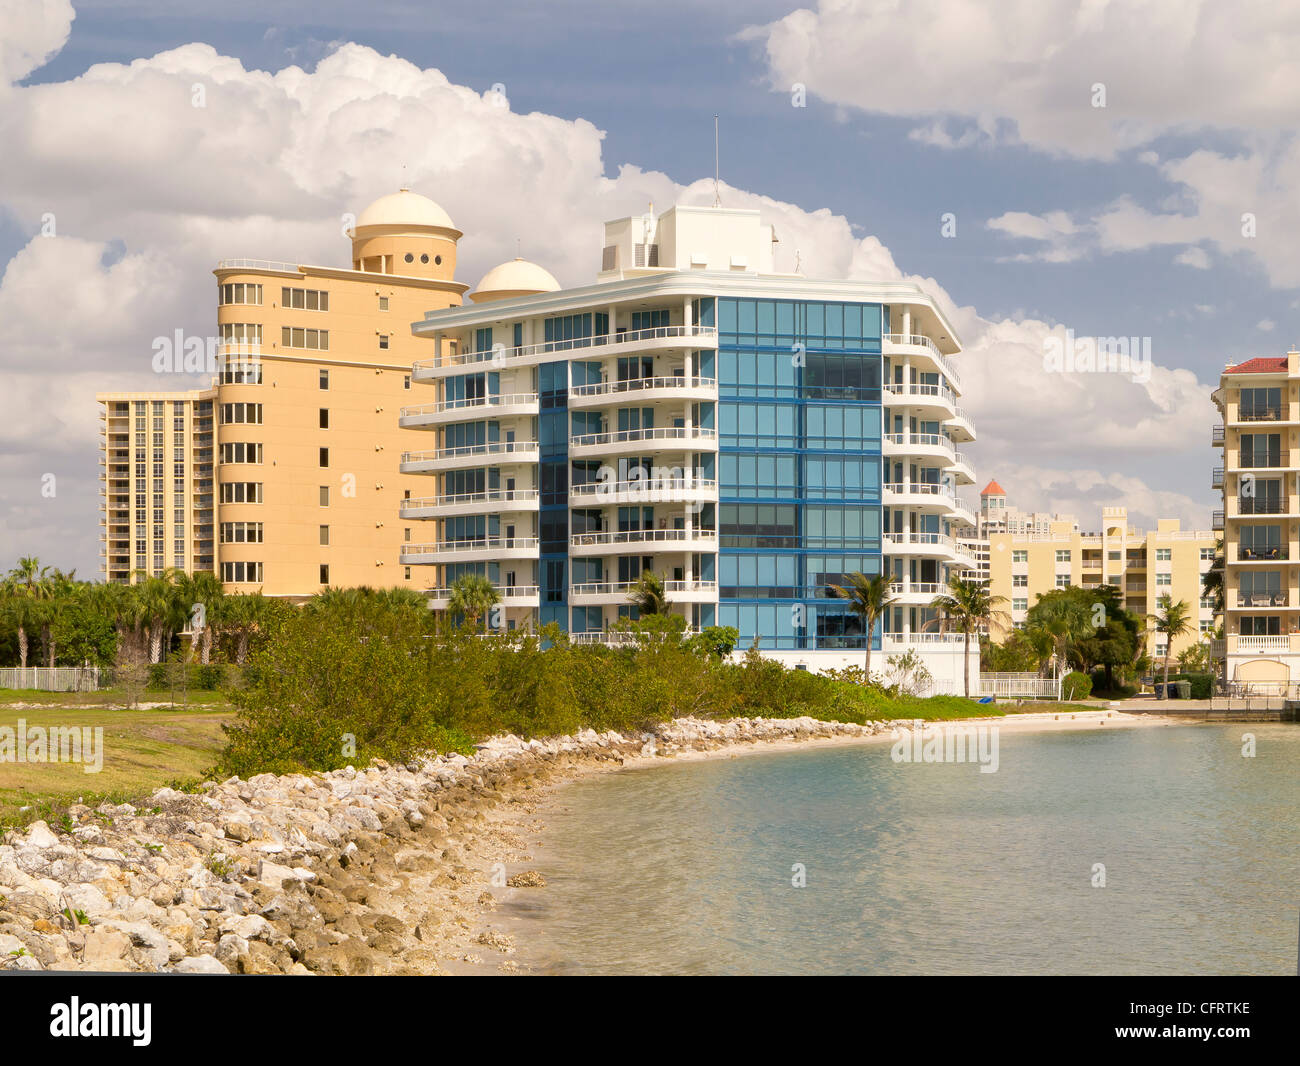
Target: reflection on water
{"x": 932, "y": 868}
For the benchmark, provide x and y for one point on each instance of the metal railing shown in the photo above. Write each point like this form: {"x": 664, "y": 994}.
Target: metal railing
{"x": 458, "y": 499}
{"x": 633, "y": 436}
{"x": 258, "y": 264}
{"x": 614, "y": 588}
{"x": 471, "y": 404}
{"x": 642, "y": 536}
{"x": 925, "y": 342}
{"x": 503, "y": 355}
{"x": 613, "y": 388}
{"x": 498, "y": 447}
{"x": 458, "y": 547}
{"x": 506, "y": 592}
{"x": 649, "y": 486}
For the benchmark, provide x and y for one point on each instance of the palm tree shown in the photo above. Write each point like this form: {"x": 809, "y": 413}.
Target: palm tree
{"x": 1212, "y": 581}
{"x": 56, "y": 592}
{"x": 202, "y": 588}
{"x": 869, "y": 598}
{"x": 964, "y": 608}
{"x": 1173, "y": 620}
{"x": 162, "y": 603}
{"x": 647, "y": 594}
{"x": 472, "y": 595}
{"x": 22, "y": 588}
{"x": 242, "y": 616}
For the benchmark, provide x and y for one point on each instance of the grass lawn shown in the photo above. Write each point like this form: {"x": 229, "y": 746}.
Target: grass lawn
{"x": 113, "y": 696}
{"x": 142, "y": 750}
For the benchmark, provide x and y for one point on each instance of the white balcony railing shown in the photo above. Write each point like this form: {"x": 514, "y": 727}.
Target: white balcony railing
{"x": 642, "y": 536}
{"x": 472, "y": 403}
{"x": 461, "y": 499}
{"x": 636, "y": 436}
{"x": 465, "y": 547}
{"x": 933, "y": 349}
{"x": 504, "y": 356}
{"x": 650, "y": 488}
{"x": 615, "y": 588}
{"x": 615, "y": 388}
{"x": 498, "y": 447}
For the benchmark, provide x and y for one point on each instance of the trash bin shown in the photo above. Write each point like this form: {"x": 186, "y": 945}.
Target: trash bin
{"x": 1160, "y": 690}
{"x": 1184, "y": 689}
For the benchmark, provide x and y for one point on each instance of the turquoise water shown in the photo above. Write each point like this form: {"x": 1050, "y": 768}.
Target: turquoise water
{"x": 932, "y": 868}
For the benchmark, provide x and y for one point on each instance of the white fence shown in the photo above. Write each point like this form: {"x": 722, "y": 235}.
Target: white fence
{"x": 51, "y": 679}
{"x": 1020, "y": 686}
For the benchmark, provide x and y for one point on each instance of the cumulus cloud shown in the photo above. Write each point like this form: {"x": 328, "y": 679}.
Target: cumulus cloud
{"x": 267, "y": 166}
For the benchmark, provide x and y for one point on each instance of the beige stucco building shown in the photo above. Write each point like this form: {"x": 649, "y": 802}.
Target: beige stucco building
{"x": 1144, "y": 565}
{"x": 314, "y": 366}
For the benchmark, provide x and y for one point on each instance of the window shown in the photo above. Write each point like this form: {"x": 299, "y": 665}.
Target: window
{"x": 241, "y": 492}
{"x": 1164, "y": 579}
{"x": 324, "y": 573}
{"x": 1020, "y": 556}
{"x": 1161, "y": 649}
{"x": 296, "y": 337}
{"x": 240, "y": 372}
{"x": 324, "y": 418}
{"x": 1113, "y": 580}
{"x": 383, "y": 342}
{"x": 383, "y": 303}
{"x": 1020, "y": 605}
{"x": 325, "y": 536}
{"x": 324, "y": 495}
{"x": 1062, "y": 581}
{"x": 240, "y": 452}
{"x": 1019, "y": 581}
{"x": 241, "y": 532}
{"x": 406, "y": 535}
{"x": 1164, "y": 555}
{"x": 233, "y": 414}
{"x": 240, "y": 333}
{"x": 1114, "y": 556}
{"x": 241, "y": 572}
{"x": 305, "y": 299}
{"x": 239, "y": 292}
{"x": 324, "y": 379}
{"x": 1063, "y": 555}
{"x": 1207, "y": 626}
{"x": 406, "y": 382}
{"x": 406, "y": 573}
{"x": 324, "y": 457}
{"x": 1207, "y": 555}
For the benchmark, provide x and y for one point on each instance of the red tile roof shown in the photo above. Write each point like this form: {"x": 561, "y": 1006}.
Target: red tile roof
{"x": 1259, "y": 366}
{"x": 993, "y": 489}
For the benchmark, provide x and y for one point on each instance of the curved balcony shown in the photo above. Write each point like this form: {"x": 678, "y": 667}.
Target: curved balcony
{"x": 633, "y": 441}
{"x": 917, "y": 593}
{"x": 928, "y": 545}
{"x": 626, "y": 542}
{"x": 961, "y": 469}
{"x": 938, "y": 401}
{"x": 424, "y": 416}
{"x": 612, "y": 593}
{"x": 644, "y": 490}
{"x": 509, "y": 596}
{"x": 962, "y": 511}
{"x": 468, "y": 551}
{"x": 918, "y": 494}
{"x": 926, "y": 445}
{"x": 642, "y": 390}
{"x": 494, "y": 502}
{"x": 665, "y": 338}
{"x": 511, "y": 451}
{"x": 920, "y": 349}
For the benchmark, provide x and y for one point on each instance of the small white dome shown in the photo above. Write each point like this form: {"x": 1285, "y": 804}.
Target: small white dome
{"x": 404, "y": 208}
{"x": 516, "y": 276}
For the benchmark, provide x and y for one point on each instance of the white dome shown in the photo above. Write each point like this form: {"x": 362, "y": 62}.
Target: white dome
{"x": 405, "y": 208}
{"x": 517, "y": 275}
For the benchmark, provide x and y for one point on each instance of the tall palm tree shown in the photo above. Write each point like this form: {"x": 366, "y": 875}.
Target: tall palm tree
{"x": 23, "y": 589}
{"x": 203, "y": 588}
{"x": 647, "y": 594}
{"x": 965, "y": 608}
{"x": 162, "y": 603}
{"x": 1173, "y": 620}
{"x": 56, "y": 593}
{"x": 869, "y": 598}
{"x": 1212, "y": 580}
{"x": 472, "y": 595}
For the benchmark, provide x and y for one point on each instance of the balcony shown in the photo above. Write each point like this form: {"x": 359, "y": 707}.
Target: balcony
{"x": 607, "y": 593}
{"x": 625, "y": 343}
{"x": 465, "y": 503}
{"x": 1216, "y": 436}
{"x": 514, "y": 451}
{"x": 508, "y": 596}
{"x": 927, "y": 397}
{"x": 642, "y": 390}
{"x": 933, "y": 445}
{"x": 918, "y": 494}
{"x": 1264, "y": 459}
{"x": 1216, "y": 478}
{"x": 1261, "y": 599}
{"x": 643, "y": 490}
{"x": 1267, "y": 413}
{"x": 498, "y": 406}
{"x": 920, "y": 347}
{"x": 933, "y": 545}
{"x": 1216, "y": 521}
{"x": 458, "y": 551}
{"x": 628, "y": 441}
{"x": 1271, "y": 554}
{"x": 622, "y": 541}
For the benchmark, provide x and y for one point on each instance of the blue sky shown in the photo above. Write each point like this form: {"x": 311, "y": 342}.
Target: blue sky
{"x": 1067, "y": 215}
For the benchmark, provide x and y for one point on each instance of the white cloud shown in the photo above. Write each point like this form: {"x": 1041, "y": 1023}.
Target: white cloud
{"x": 34, "y": 30}
{"x": 1025, "y": 70}
{"x": 1267, "y": 325}
{"x": 1194, "y": 257}
{"x": 266, "y": 169}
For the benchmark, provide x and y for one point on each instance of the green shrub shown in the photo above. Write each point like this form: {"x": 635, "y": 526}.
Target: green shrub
{"x": 1076, "y": 686}
{"x": 1202, "y": 684}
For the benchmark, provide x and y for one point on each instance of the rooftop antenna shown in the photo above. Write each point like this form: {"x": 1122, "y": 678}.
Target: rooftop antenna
{"x": 518, "y": 249}
{"x": 404, "y": 187}
{"x": 717, "y": 199}
{"x": 796, "y": 260}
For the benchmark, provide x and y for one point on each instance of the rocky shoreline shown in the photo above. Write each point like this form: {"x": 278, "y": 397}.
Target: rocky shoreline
{"x": 387, "y": 870}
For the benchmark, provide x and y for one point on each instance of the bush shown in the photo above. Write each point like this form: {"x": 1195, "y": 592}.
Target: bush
{"x": 1202, "y": 684}
{"x": 1076, "y": 686}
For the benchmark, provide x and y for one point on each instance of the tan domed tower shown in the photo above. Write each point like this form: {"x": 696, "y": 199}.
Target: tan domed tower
{"x": 515, "y": 277}
{"x": 405, "y": 234}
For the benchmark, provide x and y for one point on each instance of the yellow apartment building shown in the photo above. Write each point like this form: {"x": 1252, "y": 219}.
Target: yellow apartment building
{"x": 314, "y": 368}
{"x": 1259, "y": 401}
{"x": 1144, "y": 565}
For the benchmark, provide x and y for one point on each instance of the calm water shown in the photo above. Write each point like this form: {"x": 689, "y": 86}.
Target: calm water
{"x": 933, "y": 868}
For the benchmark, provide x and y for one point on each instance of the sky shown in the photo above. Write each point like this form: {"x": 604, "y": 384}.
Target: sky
{"x": 1047, "y": 169}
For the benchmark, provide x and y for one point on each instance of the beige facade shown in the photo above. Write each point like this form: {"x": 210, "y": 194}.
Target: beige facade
{"x": 156, "y": 493}
{"x": 314, "y": 368}
{"x": 1144, "y": 565}
{"x": 1259, "y": 401}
